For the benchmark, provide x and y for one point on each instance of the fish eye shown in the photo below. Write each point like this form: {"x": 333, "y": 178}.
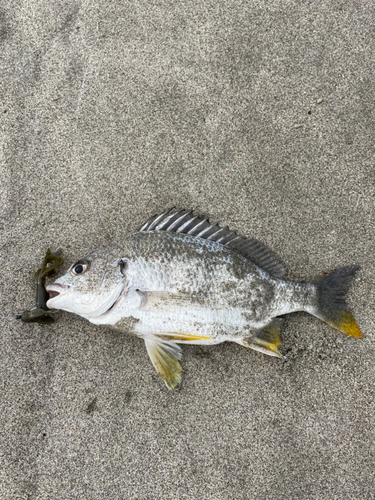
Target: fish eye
{"x": 79, "y": 269}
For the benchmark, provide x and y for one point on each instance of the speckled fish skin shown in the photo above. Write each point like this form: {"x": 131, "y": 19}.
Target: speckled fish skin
{"x": 172, "y": 288}
{"x": 209, "y": 289}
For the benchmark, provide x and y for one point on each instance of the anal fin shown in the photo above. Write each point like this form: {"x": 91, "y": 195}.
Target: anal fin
{"x": 165, "y": 357}
{"x": 267, "y": 339}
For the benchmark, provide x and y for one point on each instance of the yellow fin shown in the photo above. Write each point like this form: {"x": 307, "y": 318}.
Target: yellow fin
{"x": 331, "y": 306}
{"x": 182, "y": 337}
{"x": 165, "y": 357}
{"x": 267, "y": 339}
{"x": 269, "y": 350}
{"x": 346, "y": 324}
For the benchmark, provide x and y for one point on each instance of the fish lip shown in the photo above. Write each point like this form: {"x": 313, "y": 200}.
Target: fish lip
{"x": 56, "y": 288}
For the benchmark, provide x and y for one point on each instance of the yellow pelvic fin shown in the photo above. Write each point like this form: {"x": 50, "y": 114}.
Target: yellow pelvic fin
{"x": 346, "y": 324}
{"x": 182, "y": 336}
{"x": 267, "y": 339}
{"x": 165, "y": 357}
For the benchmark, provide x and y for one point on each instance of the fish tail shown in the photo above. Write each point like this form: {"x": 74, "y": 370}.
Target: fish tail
{"x": 331, "y": 306}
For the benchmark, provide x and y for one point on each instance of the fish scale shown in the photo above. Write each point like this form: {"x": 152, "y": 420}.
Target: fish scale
{"x": 180, "y": 279}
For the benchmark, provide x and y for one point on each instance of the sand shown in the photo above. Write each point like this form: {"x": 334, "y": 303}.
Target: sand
{"x": 257, "y": 114}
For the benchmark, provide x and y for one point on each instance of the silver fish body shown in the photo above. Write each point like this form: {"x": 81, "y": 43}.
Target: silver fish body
{"x": 170, "y": 284}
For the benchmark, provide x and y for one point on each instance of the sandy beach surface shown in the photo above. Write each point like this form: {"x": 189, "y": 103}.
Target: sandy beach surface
{"x": 257, "y": 114}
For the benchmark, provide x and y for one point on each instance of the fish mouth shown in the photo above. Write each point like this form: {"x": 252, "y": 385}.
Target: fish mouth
{"x": 54, "y": 291}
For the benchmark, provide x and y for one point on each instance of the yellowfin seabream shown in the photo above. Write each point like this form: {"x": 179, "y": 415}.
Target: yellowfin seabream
{"x": 182, "y": 280}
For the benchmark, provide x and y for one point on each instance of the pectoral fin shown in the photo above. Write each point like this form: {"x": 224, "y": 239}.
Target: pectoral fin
{"x": 165, "y": 357}
{"x": 267, "y": 339}
{"x": 166, "y": 301}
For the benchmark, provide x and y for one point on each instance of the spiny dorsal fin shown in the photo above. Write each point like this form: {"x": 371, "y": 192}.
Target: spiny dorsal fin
{"x": 267, "y": 339}
{"x": 184, "y": 222}
{"x": 165, "y": 357}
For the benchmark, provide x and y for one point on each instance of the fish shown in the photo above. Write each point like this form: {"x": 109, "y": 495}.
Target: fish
{"x": 181, "y": 280}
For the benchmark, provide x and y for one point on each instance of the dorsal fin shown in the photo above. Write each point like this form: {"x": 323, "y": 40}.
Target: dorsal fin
{"x": 184, "y": 222}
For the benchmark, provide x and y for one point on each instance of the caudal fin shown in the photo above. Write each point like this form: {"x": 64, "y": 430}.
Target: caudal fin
{"x": 331, "y": 306}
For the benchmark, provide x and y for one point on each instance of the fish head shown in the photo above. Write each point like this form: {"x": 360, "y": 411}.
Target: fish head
{"x": 92, "y": 285}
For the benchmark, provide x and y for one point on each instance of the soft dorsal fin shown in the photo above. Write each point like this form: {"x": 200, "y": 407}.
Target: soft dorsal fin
{"x": 184, "y": 222}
